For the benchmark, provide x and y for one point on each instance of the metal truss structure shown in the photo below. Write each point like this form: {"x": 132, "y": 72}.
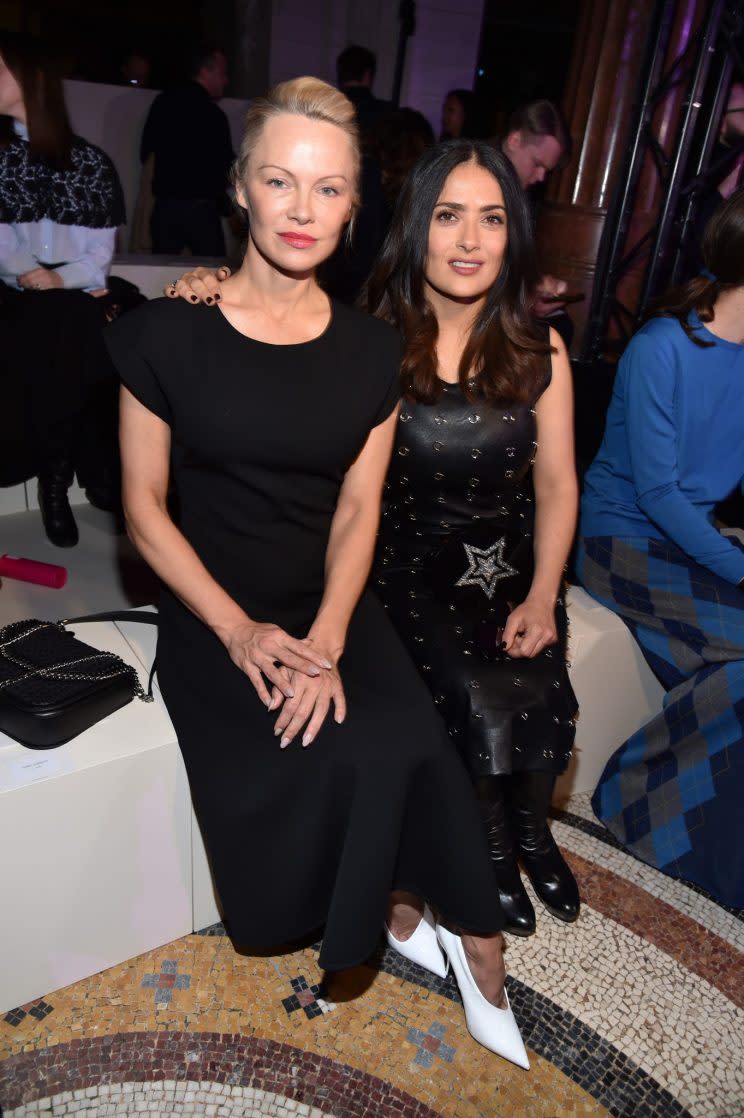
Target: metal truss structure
{"x": 684, "y": 164}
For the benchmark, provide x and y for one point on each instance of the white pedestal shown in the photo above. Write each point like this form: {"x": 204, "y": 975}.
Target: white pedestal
{"x": 617, "y": 691}
{"x": 95, "y": 846}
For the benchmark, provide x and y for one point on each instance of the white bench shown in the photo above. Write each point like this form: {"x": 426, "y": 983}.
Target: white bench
{"x": 617, "y": 691}
{"x": 96, "y": 841}
{"x": 102, "y": 855}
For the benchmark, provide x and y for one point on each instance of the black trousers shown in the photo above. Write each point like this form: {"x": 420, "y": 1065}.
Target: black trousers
{"x": 59, "y": 387}
{"x": 192, "y": 223}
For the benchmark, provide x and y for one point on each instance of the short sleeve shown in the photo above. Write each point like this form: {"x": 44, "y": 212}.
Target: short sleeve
{"x": 132, "y": 354}
{"x": 391, "y": 354}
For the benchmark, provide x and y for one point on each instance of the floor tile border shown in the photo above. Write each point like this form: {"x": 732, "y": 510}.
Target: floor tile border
{"x": 230, "y": 1058}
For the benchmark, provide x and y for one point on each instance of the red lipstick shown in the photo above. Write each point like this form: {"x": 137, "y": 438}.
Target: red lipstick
{"x": 298, "y": 240}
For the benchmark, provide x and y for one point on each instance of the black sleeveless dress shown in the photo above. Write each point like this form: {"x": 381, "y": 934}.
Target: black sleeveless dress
{"x": 459, "y": 509}
{"x": 262, "y": 436}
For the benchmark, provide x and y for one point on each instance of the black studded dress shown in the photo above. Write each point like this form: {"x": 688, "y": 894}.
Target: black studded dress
{"x": 462, "y": 467}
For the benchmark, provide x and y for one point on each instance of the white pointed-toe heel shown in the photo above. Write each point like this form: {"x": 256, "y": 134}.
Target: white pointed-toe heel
{"x": 422, "y": 946}
{"x": 494, "y": 1028}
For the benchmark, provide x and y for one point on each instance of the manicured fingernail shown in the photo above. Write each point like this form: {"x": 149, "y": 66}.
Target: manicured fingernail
{"x": 314, "y": 671}
{"x": 270, "y": 704}
{"x": 289, "y": 693}
{"x": 327, "y": 664}
{"x": 277, "y": 732}
{"x": 209, "y": 300}
{"x": 217, "y": 298}
{"x": 284, "y": 743}
{"x": 307, "y": 738}
{"x": 193, "y": 298}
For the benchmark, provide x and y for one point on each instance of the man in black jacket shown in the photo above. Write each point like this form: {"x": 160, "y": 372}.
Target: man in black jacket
{"x": 189, "y": 137}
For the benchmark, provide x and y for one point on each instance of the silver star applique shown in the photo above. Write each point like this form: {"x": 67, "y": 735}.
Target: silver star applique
{"x": 486, "y": 567}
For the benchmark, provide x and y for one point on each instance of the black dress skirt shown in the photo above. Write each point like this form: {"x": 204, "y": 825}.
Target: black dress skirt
{"x": 459, "y": 510}
{"x": 262, "y": 436}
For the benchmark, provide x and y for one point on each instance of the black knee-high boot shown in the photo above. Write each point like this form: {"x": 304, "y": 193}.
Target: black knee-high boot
{"x": 518, "y": 910}
{"x": 530, "y": 794}
{"x": 55, "y": 478}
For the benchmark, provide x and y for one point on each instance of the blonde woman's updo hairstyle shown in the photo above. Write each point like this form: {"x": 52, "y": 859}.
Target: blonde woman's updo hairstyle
{"x": 308, "y": 97}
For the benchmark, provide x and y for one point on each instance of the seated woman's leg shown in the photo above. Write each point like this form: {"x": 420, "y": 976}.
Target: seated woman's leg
{"x": 672, "y": 792}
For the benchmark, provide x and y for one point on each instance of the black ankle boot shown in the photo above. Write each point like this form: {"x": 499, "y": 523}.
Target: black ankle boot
{"x": 55, "y": 479}
{"x": 518, "y": 910}
{"x": 530, "y": 794}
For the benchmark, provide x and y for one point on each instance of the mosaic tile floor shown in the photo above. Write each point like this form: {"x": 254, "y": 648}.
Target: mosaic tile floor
{"x": 636, "y": 1011}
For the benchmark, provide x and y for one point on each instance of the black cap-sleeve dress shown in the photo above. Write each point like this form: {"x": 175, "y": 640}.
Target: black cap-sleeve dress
{"x": 262, "y": 436}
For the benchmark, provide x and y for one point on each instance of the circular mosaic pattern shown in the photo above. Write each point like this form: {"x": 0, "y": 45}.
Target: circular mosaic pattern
{"x": 204, "y": 1099}
{"x": 610, "y": 1009}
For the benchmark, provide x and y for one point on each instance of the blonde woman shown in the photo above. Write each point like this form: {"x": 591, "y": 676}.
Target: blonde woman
{"x": 324, "y": 781}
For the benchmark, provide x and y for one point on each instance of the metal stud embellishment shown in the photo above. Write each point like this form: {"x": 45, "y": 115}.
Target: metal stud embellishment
{"x": 403, "y": 451}
{"x": 405, "y": 417}
{"x": 474, "y": 417}
{"x": 437, "y": 446}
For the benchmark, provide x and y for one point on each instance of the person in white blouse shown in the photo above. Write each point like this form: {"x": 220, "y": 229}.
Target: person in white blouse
{"x": 60, "y": 205}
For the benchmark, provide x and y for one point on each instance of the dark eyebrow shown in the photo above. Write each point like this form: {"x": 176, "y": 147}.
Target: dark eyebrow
{"x": 460, "y": 206}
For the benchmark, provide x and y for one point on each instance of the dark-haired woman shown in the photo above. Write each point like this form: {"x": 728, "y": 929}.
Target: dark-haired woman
{"x": 459, "y": 111}
{"x": 481, "y": 499}
{"x": 649, "y": 549}
{"x": 60, "y": 204}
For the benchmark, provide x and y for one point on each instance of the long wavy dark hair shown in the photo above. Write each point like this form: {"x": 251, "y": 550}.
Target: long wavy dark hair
{"x": 506, "y": 351}
{"x": 33, "y": 66}
{"x": 723, "y": 256}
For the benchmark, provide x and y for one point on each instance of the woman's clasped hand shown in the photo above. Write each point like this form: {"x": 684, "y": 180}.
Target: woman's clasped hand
{"x": 304, "y": 680}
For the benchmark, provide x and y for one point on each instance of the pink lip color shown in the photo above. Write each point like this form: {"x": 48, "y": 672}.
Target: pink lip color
{"x": 298, "y": 240}
{"x": 465, "y": 271}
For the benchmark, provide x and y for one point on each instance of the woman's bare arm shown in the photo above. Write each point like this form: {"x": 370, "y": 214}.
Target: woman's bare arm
{"x": 253, "y": 646}
{"x": 556, "y": 502}
{"x": 348, "y": 561}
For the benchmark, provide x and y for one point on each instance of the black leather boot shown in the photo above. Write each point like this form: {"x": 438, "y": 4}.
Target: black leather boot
{"x": 518, "y": 910}
{"x": 530, "y": 794}
{"x": 55, "y": 479}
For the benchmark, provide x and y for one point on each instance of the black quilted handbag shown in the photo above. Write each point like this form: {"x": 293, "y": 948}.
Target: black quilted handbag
{"x": 53, "y": 686}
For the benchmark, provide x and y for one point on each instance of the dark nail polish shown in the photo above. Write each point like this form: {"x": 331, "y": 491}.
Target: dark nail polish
{"x": 217, "y": 298}
{"x": 193, "y": 298}
{"x": 209, "y": 300}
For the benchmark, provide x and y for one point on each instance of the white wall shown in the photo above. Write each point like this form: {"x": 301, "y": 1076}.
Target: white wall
{"x": 113, "y": 116}
{"x": 307, "y": 36}
{"x": 442, "y": 55}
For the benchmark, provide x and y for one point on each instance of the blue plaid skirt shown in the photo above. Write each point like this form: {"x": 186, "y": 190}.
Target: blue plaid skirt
{"x": 673, "y": 794}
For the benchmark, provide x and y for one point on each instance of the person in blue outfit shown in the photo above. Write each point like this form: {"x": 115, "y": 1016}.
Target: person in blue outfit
{"x": 649, "y": 550}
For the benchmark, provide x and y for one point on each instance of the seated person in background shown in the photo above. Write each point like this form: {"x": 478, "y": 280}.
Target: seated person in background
{"x": 344, "y": 273}
{"x": 355, "y": 74}
{"x": 648, "y": 550}
{"x": 60, "y": 204}
{"x": 727, "y": 162}
{"x": 459, "y": 113}
{"x": 396, "y": 141}
{"x": 189, "y": 137}
{"x": 537, "y": 141}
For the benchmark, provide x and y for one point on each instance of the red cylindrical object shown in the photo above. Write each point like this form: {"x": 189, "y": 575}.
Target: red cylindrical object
{"x": 29, "y": 570}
